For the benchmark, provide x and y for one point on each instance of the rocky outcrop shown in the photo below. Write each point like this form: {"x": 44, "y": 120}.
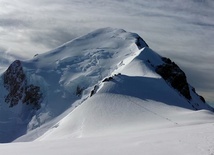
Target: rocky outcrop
{"x": 140, "y": 43}
{"x": 32, "y": 96}
{"x": 201, "y": 97}
{"x": 14, "y": 82}
{"x": 174, "y": 76}
{"x": 108, "y": 79}
{"x": 94, "y": 90}
{"x": 79, "y": 91}
{"x": 19, "y": 90}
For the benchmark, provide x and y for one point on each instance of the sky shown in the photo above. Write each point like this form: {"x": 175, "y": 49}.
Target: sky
{"x": 179, "y": 29}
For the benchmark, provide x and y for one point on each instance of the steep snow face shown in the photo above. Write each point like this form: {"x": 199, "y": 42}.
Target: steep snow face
{"x": 62, "y": 78}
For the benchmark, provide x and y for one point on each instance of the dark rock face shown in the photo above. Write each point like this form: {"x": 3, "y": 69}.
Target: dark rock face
{"x": 79, "y": 91}
{"x": 201, "y": 97}
{"x": 14, "y": 82}
{"x": 174, "y": 76}
{"x": 107, "y": 79}
{"x": 94, "y": 90}
{"x": 32, "y": 96}
{"x": 18, "y": 89}
{"x": 141, "y": 43}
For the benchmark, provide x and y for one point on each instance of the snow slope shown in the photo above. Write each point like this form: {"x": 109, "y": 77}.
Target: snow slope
{"x": 136, "y": 98}
{"x": 124, "y": 107}
{"x": 65, "y": 77}
{"x": 186, "y": 140}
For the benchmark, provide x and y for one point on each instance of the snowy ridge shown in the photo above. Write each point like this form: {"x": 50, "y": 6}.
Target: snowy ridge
{"x": 137, "y": 98}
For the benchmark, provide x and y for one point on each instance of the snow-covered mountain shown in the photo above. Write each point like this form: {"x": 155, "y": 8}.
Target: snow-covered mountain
{"x": 99, "y": 84}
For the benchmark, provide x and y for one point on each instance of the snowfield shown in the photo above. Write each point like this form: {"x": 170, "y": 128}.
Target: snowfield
{"x": 125, "y": 106}
{"x": 188, "y": 140}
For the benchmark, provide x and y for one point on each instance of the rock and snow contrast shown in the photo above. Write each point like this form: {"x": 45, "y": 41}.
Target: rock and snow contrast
{"x": 106, "y": 92}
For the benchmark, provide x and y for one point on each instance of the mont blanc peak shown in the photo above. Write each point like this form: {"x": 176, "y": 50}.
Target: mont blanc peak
{"x": 103, "y": 80}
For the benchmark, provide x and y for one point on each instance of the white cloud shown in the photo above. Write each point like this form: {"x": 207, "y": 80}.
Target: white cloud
{"x": 179, "y": 29}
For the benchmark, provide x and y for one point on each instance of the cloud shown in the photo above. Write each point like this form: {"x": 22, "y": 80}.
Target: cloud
{"x": 179, "y": 29}
{"x": 51, "y": 38}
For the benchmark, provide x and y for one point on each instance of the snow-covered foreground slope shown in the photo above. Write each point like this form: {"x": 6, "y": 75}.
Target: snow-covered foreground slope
{"x": 185, "y": 140}
{"x": 104, "y": 93}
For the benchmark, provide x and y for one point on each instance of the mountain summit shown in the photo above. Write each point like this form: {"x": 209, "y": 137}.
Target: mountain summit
{"x": 106, "y": 74}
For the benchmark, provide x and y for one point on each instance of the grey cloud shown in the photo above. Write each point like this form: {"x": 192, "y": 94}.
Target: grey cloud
{"x": 199, "y": 78}
{"x": 52, "y": 38}
{"x": 202, "y": 80}
{"x": 13, "y": 23}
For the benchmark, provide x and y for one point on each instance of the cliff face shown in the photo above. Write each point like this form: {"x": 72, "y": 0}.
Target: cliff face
{"x": 19, "y": 90}
{"x": 140, "y": 43}
{"x": 174, "y": 76}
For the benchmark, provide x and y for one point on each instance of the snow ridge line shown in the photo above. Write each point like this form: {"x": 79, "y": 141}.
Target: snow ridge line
{"x": 122, "y": 64}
